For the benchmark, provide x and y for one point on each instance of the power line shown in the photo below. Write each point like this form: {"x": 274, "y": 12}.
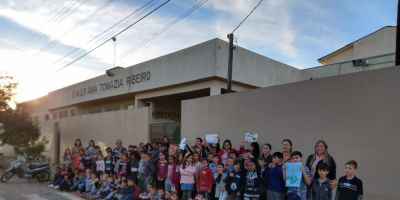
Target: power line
{"x": 158, "y": 7}
{"x": 247, "y": 16}
{"x": 169, "y": 25}
{"x": 98, "y": 35}
{"x": 33, "y": 32}
{"x": 66, "y": 13}
{"x": 79, "y": 23}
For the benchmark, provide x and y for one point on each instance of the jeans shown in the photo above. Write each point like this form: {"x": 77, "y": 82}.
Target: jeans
{"x": 168, "y": 185}
{"x": 186, "y": 194}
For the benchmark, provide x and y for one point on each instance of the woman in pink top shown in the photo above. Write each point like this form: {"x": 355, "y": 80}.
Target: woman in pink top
{"x": 187, "y": 170}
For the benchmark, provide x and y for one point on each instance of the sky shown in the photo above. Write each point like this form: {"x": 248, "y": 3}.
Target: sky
{"x": 39, "y": 38}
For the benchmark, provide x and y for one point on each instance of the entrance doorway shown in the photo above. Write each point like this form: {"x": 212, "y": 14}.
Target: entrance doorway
{"x": 57, "y": 143}
{"x": 171, "y": 130}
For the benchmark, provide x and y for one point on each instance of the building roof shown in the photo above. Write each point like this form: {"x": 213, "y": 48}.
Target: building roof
{"x": 347, "y": 46}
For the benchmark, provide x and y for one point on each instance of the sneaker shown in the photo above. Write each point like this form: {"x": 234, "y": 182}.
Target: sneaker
{"x": 56, "y": 187}
{"x": 51, "y": 185}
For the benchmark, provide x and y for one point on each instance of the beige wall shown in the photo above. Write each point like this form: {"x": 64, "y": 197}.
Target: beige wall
{"x": 203, "y": 61}
{"x": 380, "y": 42}
{"x": 131, "y": 126}
{"x": 357, "y": 114}
{"x": 345, "y": 55}
{"x": 348, "y": 67}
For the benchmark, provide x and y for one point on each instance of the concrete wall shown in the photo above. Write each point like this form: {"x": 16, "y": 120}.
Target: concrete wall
{"x": 357, "y": 114}
{"x": 131, "y": 126}
{"x": 205, "y": 60}
{"x": 337, "y": 69}
{"x": 345, "y": 55}
{"x": 254, "y": 69}
{"x": 379, "y": 43}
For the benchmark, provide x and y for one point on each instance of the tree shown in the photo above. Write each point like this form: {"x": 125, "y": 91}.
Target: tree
{"x": 16, "y": 127}
{"x": 7, "y": 88}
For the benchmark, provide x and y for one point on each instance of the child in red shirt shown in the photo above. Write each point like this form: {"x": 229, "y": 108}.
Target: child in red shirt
{"x": 204, "y": 181}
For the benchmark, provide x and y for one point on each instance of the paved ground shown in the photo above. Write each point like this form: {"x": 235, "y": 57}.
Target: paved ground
{"x": 20, "y": 189}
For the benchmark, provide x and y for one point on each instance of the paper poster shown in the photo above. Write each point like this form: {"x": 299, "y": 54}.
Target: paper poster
{"x": 182, "y": 145}
{"x": 293, "y": 174}
{"x": 212, "y": 138}
{"x": 250, "y": 137}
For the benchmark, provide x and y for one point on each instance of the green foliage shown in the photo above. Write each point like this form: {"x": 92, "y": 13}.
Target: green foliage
{"x": 34, "y": 150}
{"x": 17, "y": 128}
{"x": 7, "y": 87}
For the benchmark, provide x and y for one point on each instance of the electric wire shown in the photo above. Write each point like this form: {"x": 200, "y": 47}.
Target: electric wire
{"x": 33, "y": 32}
{"x": 247, "y": 16}
{"x": 98, "y": 35}
{"x": 152, "y": 11}
{"x": 61, "y": 16}
{"x": 169, "y": 25}
{"x": 79, "y": 23}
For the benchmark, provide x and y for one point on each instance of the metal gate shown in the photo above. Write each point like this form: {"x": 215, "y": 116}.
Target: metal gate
{"x": 172, "y": 130}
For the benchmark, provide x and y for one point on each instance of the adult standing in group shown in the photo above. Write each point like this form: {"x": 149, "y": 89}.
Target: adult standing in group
{"x": 255, "y": 150}
{"x": 75, "y": 153}
{"x": 165, "y": 144}
{"x": 287, "y": 148}
{"x": 118, "y": 149}
{"x": 266, "y": 154}
{"x": 321, "y": 155}
{"x": 198, "y": 143}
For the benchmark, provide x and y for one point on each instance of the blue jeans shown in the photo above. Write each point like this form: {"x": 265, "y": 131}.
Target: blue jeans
{"x": 168, "y": 184}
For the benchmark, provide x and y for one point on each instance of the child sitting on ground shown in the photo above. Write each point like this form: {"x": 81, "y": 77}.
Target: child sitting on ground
{"x": 146, "y": 194}
{"x": 59, "y": 176}
{"x": 91, "y": 185}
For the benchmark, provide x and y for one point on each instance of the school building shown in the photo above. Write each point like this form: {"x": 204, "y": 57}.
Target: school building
{"x": 350, "y": 101}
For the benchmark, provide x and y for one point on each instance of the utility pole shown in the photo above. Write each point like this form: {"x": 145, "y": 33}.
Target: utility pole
{"x": 398, "y": 35}
{"x": 230, "y": 59}
{"x": 115, "y": 49}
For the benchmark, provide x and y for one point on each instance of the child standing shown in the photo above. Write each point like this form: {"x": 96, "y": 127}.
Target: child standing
{"x": 213, "y": 165}
{"x": 187, "y": 170}
{"x": 109, "y": 163}
{"x": 321, "y": 189}
{"x": 67, "y": 159}
{"x": 132, "y": 167}
{"x": 204, "y": 180}
{"x": 220, "y": 186}
{"x": 234, "y": 182}
{"x": 120, "y": 166}
{"x": 299, "y": 193}
{"x": 274, "y": 176}
{"x": 162, "y": 170}
{"x": 100, "y": 165}
{"x": 252, "y": 183}
{"x": 350, "y": 187}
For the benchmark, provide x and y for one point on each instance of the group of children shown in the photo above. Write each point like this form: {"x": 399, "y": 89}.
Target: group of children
{"x": 156, "y": 171}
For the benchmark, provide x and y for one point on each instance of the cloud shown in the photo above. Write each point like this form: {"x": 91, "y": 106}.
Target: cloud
{"x": 269, "y": 25}
{"x": 285, "y": 30}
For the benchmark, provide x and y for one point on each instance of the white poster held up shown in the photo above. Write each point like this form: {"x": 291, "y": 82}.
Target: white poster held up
{"x": 212, "y": 138}
{"x": 250, "y": 137}
{"x": 182, "y": 145}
